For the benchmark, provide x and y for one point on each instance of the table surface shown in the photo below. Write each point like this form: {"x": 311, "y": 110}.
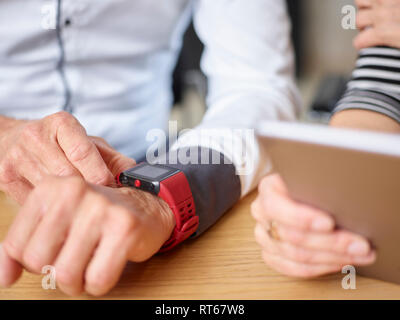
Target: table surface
{"x": 224, "y": 263}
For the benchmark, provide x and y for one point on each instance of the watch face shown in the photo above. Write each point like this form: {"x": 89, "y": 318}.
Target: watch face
{"x": 150, "y": 172}
{"x": 146, "y": 177}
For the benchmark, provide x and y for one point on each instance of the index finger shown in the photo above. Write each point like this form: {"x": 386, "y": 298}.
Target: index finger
{"x": 83, "y": 154}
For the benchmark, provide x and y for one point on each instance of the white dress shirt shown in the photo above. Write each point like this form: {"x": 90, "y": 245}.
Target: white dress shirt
{"x": 110, "y": 65}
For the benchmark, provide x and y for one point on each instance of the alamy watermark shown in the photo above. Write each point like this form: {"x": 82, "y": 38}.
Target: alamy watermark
{"x": 49, "y": 279}
{"x": 349, "y": 281}
{"x": 49, "y": 16}
{"x": 349, "y": 19}
{"x": 203, "y": 146}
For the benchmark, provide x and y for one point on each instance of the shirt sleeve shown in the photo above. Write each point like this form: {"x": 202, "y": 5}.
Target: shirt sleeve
{"x": 375, "y": 83}
{"x": 248, "y": 61}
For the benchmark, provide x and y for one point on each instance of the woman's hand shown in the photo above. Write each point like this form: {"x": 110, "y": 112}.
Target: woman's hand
{"x": 86, "y": 232}
{"x": 301, "y": 241}
{"x": 379, "y": 22}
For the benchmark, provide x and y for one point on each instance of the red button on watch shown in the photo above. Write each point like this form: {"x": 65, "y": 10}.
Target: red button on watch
{"x": 171, "y": 185}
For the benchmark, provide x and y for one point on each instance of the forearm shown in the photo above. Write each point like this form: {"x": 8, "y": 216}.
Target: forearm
{"x": 245, "y": 87}
{"x": 365, "y": 120}
{"x": 372, "y": 98}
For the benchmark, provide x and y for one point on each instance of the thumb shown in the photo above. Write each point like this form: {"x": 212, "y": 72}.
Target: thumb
{"x": 10, "y": 270}
{"x": 115, "y": 161}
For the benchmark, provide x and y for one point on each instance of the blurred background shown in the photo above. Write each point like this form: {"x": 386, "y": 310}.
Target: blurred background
{"x": 325, "y": 58}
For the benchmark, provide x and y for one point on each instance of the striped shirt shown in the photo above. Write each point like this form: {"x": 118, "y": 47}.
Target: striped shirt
{"x": 375, "y": 83}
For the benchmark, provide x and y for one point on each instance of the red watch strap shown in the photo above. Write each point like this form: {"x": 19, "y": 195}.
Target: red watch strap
{"x": 175, "y": 191}
{"x": 186, "y": 224}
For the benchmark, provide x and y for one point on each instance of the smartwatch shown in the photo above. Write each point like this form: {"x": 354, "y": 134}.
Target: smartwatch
{"x": 171, "y": 185}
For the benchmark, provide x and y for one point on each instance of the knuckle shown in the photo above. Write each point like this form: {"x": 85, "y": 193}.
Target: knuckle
{"x": 103, "y": 178}
{"x": 65, "y": 277}
{"x": 342, "y": 241}
{"x": 254, "y": 208}
{"x": 80, "y": 152}
{"x": 100, "y": 140}
{"x": 116, "y": 159}
{"x": 65, "y": 171}
{"x": 259, "y": 234}
{"x": 97, "y": 284}
{"x": 32, "y": 261}
{"x": 42, "y": 190}
{"x": 61, "y": 118}
{"x": 141, "y": 255}
{"x": 269, "y": 209}
{"x": 301, "y": 256}
{"x": 75, "y": 187}
{"x": 359, "y": 20}
{"x": 125, "y": 221}
{"x": 13, "y": 249}
{"x": 265, "y": 185}
{"x": 6, "y": 174}
{"x": 295, "y": 237}
{"x": 97, "y": 213}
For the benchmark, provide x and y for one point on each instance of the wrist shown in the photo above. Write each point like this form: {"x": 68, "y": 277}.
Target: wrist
{"x": 171, "y": 185}
{"x": 156, "y": 207}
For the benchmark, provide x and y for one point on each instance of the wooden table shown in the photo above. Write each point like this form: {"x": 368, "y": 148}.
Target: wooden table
{"x": 224, "y": 263}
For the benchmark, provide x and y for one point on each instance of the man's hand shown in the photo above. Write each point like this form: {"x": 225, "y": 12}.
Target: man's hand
{"x": 303, "y": 241}
{"x": 56, "y": 145}
{"x": 86, "y": 232}
{"x": 379, "y": 22}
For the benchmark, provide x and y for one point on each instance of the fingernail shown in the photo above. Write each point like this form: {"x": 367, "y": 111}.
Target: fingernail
{"x": 322, "y": 224}
{"x": 365, "y": 260}
{"x": 358, "y": 248}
